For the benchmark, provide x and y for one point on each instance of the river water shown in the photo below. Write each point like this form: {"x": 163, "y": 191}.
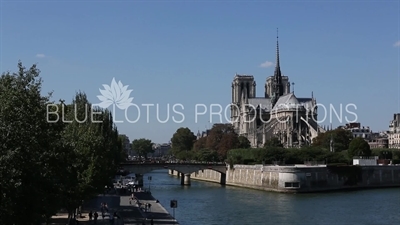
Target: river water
{"x": 205, "y": 203}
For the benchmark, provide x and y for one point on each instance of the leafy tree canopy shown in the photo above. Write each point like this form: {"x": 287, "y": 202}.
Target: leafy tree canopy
{"x": 273, "y": 142}
{"x": 183, "y": 139}
{"x": 45, "y": 163}
{"x": 142, "y": 147}
{"x": 200, "y": 143}
{"x": 359, "y": 147}
{"x": 244, "y": 142}
{"x": 222, "y": 138}
{"x": 341, "y": 139}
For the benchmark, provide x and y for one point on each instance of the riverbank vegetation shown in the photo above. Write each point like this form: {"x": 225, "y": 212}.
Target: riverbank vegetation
{"x": 52, "y": 155}
{"x": 221, "y": 143}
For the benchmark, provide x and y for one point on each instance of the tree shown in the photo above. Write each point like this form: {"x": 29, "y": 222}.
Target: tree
{"x": 222, "y": 138}
{"x": 207, "y": 155}
{"x": 244, "y": 142}
{"x": 229, "y": 141}
{"x": 142, "y": 147}
{"x": 183, "y": 139}
{"x": 359, "y": 147}
{"x": 94, "y": 151}
{"x": 321, "y": 140}
{"x": 341, "y": 139}
{"x": 200, "y": 143}
{"x": 216, "y": 133}
{"x": 123, "y": 139}
{"x": 46, "y": 164}
{"x": 273, "y": 142}
{"x": 28, "y": 146}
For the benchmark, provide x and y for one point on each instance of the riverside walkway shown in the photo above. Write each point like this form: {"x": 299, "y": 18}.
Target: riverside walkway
{"x": 156, "y": 212}
{"x": 129, "y": 214}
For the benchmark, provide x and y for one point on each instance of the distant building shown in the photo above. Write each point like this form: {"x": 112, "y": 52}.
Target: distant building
{"x": 358, "y": 131}
{"x": 161, "y": 150}
{"x": 379, "y": 140}
{"x": 278, "y": 114}
{"x": 394, "y": 132}
{"x": 202, "y": 134}
{"x": 375, "y": 140}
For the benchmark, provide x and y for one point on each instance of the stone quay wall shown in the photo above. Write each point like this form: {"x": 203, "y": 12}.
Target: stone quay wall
{"x": 303, "y": 178}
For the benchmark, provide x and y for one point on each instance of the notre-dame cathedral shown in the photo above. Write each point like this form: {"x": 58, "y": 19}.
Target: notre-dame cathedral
{"x": 278, "y": 114}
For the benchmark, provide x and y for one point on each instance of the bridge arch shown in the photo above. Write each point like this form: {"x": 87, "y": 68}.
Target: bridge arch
{"x": 184, "y": 169}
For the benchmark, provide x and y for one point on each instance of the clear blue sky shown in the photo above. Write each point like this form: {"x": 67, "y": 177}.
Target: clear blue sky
{"x": 189, "y": 51}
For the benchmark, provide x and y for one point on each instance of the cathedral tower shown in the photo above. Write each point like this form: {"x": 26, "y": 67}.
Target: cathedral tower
{"x": 243, "y": 88}
{"x": 278, "y": 84}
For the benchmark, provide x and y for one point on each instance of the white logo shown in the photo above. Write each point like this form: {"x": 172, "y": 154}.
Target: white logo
{"x": 116, "y": 94}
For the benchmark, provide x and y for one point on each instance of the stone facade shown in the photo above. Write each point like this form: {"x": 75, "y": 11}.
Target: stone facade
{"x": 394, "y": 132}
{"x": 202, "y": 134}
{"x": 375, "y": 140}
{"x": 302, "y": 178}
{"x": 278, "y": 114}
{"x": 161, "y": 150}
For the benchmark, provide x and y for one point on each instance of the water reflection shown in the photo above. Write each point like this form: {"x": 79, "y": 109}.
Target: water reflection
{"x": 213, "y": 204}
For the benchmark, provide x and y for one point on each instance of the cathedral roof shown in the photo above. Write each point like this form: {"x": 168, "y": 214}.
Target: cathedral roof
{"x": 264, "y": 103}
{"x": 288, "y": 101}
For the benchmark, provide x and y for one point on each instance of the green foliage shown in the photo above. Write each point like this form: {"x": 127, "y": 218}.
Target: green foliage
{"x": 272, "y": 155}
{"x": 142, "y": 147}
{"x": 206, "y": 155}
{"x": 386, "y": 153}
{"x": 183, "y": 139}
{"x": 217, "y": 132}
{"x": 93, "y": 148}
{"x": 341, "y": 139}
{"x": 222, "y": 138}
{"x": 359, "y": 147}
{"x": 27, "y": 147}
{"x": 121, "y": 140}
{"x": 273, "y": 142}
{"x": 182, "y": 143}
{"x": 244, "y": 142}
{"x": 200, "y": 143}
{"x": 45, "y": 163}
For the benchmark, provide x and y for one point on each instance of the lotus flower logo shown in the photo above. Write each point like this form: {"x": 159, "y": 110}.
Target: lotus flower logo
{"x": 116, "y": 94}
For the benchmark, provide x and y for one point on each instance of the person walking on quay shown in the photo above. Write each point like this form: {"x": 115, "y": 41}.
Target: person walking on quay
{"x": 90, "y": 215}
{"x": 131, "y": 199}
{"x": 151, "y": 222}
{"x": 95, "y": 217}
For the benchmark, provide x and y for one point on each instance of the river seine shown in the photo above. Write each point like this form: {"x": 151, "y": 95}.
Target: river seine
{"x": 205, "y": 203}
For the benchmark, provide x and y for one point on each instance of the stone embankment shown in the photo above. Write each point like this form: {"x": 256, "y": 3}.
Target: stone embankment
{"x": 129, "y": 212}
{"x": 302, "y": 178}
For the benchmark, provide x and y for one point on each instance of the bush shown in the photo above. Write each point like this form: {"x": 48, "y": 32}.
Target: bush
{"x": 270, "y": 155}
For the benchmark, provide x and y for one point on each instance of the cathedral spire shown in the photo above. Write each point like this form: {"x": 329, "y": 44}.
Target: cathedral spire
{"x": 277, "y": 66}
{"x": 277, "y": 73}
{"x": 277, "y": 85}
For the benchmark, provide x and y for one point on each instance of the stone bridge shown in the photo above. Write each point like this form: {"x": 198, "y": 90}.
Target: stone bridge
{"x": 182, "y": 170}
